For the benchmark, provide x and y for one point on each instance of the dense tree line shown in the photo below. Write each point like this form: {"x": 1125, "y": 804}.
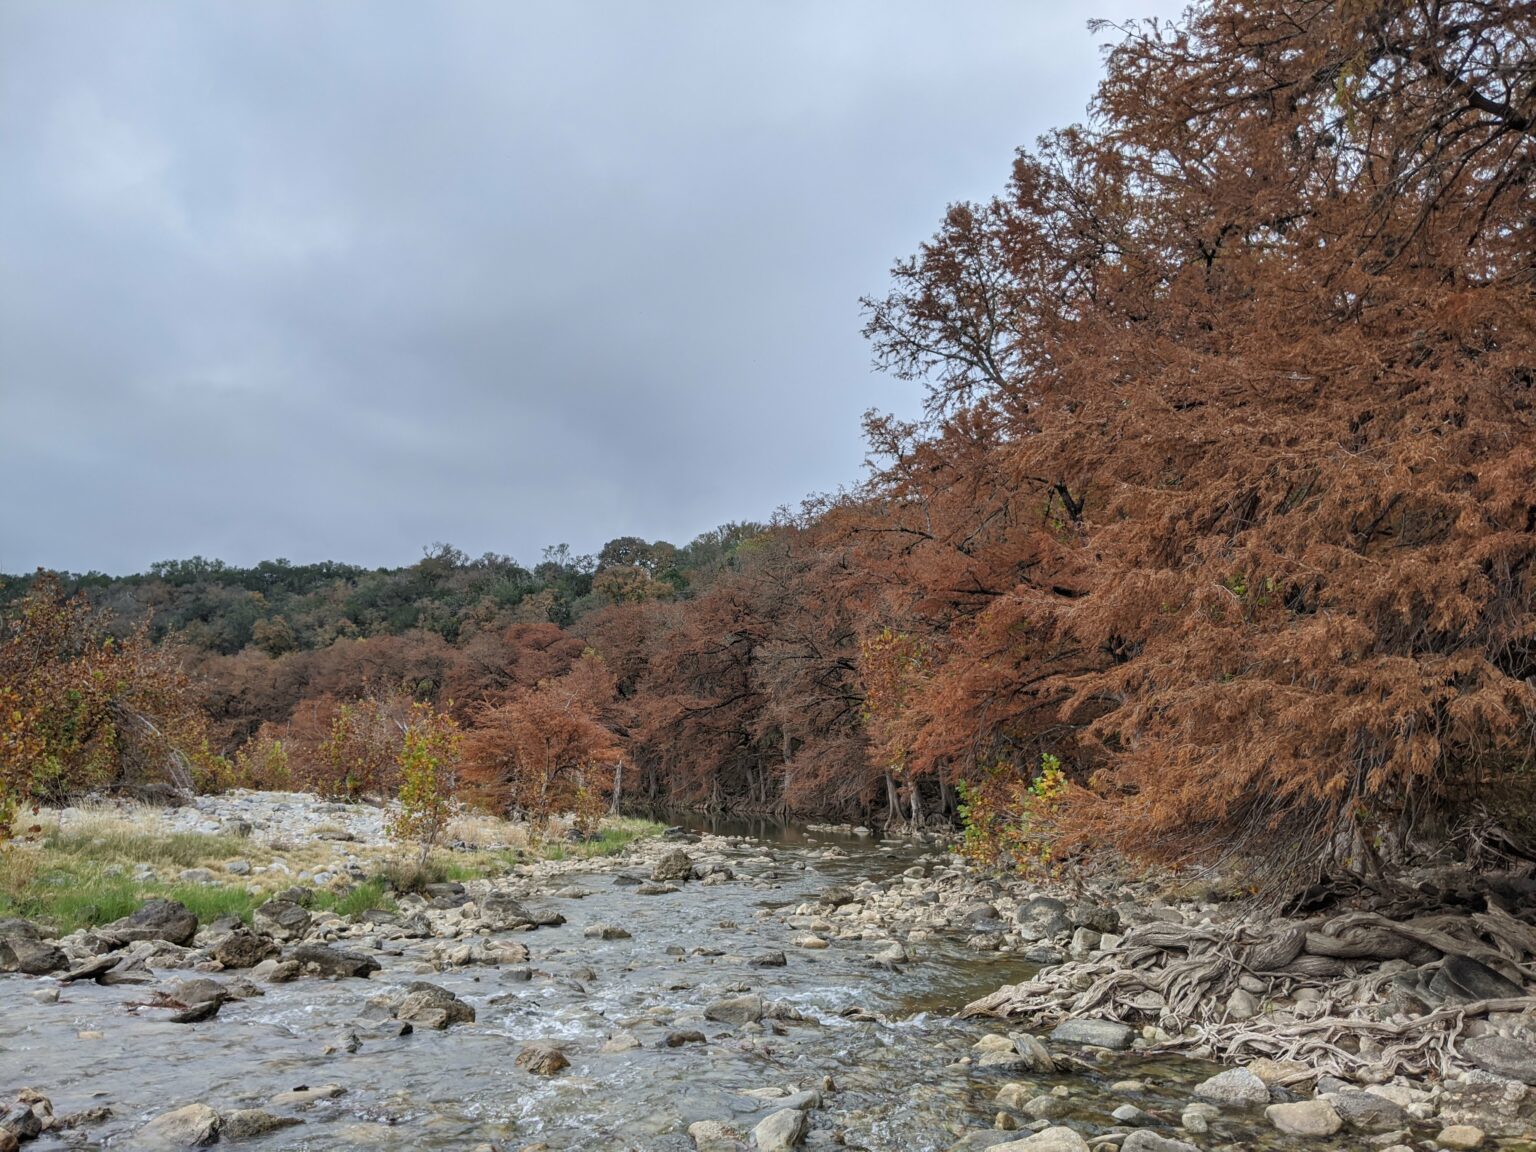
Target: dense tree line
{"x": 1215, "y": 536}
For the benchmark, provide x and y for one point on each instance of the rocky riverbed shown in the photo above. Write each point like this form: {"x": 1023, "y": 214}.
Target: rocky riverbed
{"x": 712, "y": 991}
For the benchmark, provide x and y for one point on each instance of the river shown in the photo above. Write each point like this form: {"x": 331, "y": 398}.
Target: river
{"x": 898, "y": 1077}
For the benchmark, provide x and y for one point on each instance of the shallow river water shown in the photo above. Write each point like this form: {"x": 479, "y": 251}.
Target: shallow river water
{"x": 895, "y": 1087}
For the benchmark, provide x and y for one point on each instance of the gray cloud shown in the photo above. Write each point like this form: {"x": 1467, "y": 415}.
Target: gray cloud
{"x": 338, "y": 279}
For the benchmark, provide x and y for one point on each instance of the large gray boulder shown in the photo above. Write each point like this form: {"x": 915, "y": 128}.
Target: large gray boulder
{"x": 1234, "y": 1088}
{"x": 1099, "y": 1033}
{"x": 1050, "y": 1140}
{"x": 282, "y": 920}
{"x": 1310, "y": 1118}
{"x": 736, "y": 1010}
{"x": 1042, "y": 918}
{"x": 1368, "y": 1111}
{"x": 504, "y": 914}
{"x": 780, "y": 1131}
{"x": 195, "y": 1126}
{"x": 167, "y": 920}
{"x": 430, "y": 1006}
{"x": 1100, "y": 918}
{"x": 1499, "y": 1106}
{"x": 674, "y": 866}
{"x": 1462, "y": 980}
{"x": 29, "y": 956}
{"x": 243, "y": 949}
{"x": 1506, "y": 1056}
{"x": 248, "y": 1123}
{"x": 319, "y": 960}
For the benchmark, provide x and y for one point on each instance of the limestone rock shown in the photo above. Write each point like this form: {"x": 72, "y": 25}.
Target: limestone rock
{"x": 1368, "y": 1111}
{"x": 167, "y": 920}
{"x": 245, "y": 1123}
{"x": 1461, "y": 1138}
{"x": 32, "y": 957}
{"x": 504, "y": 914}
{"x": 780, "y": 1131}
{"x": 1099, "y": 1033}
{"x": 1281, "y": 1073}
{"x": 1144, "y": 1141}
{"x": 1033, "y": 1053}
{"x": 1234, "y": 1088}
{"x": 243, "y": 949}
{"x": 736, "y": 1010}
{"x": 1042, "y": 918}
{"x": 542, "y": 1060}
{"x": 326, "y": 961}
{"x": 1242, "y": 1005}
{"x": 1506, "y": 1056}
{"x": 307, "y": 1097}
{"x": 1046, "y": 1107}
{"x": 674, "y": 866}
{"x": 1305, "y": 1118}
{"x": 1197, "y": 1117}
{"x": 195, "y": 1126}
{"x": 713, "y": 1136}
{"x": 429, "y": 1006}
{"x": 1050, "y": 1140}
{"x": 282, "y": 920}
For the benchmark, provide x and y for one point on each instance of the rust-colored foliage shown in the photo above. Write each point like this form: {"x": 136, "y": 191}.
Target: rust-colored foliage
{"x": 359, "y": 755}
{"x": 80, "y": 711}
{"x": 546, "y": 750}
{"x": 1258, "y": 345}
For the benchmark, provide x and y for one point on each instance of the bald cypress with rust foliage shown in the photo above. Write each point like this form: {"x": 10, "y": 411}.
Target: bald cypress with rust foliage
{"x": 1259, "y": 340}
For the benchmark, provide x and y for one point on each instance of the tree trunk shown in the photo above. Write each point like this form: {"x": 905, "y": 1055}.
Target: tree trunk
{"x": 788, "y": 773}
{"x": 618, "y": 787}
{"x": 892, "y": 801}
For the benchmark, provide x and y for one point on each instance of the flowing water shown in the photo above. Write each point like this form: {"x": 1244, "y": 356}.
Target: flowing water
{"x": 895, "y": 1084}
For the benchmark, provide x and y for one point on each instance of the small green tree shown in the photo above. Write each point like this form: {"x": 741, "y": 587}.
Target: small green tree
{"x": 428, "y": 762}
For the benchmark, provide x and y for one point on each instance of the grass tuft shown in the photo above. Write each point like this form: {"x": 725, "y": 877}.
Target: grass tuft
{"x": 66, "y": 893}
{"x": 365, "y": 897}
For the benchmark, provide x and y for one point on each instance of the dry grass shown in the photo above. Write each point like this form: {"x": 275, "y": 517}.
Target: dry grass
{"x": 131, "y": 835}
{"x": 486, "y": 833}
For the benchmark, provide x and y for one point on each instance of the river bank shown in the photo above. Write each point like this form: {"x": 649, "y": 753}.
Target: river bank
{"x": 697, "y": 990}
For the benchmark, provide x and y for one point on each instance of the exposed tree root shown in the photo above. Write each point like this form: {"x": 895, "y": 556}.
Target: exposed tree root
{"x": 1380, "y": 1005}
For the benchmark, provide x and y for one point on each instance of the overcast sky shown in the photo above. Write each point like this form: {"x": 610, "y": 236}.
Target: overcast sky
{"x": 337, "y": 280}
